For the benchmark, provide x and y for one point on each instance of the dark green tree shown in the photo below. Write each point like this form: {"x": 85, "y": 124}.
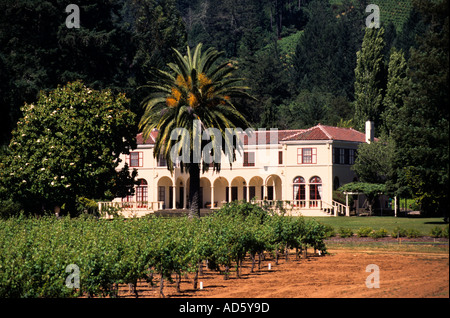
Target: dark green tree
{"x": 308, "y": 109}
{"x": 325, "y": 54}
{"x": 422, "y": 129}
{"x": 396, "y": 91}
{"x": 38, "y": 51}
{"x": 370, "y": 78}
{"x": 374, "y": 163}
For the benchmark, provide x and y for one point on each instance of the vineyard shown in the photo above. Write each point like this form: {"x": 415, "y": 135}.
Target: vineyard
{"x": 35, "y": 253}
{"x": 395, "y": 11}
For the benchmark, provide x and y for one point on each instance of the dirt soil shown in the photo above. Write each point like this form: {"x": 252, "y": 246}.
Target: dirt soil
{"x": 339, "y": 274}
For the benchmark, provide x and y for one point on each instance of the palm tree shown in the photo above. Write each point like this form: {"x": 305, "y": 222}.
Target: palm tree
{"x": 196, "y": 88}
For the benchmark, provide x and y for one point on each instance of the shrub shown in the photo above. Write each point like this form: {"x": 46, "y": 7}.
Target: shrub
{"x": 9, "y": 208}
{"x": 345, "y": 232}
{"x": 398, "y": 232}
{"x": 364, "y": 231}
{"x": 412, "y": 233}
{"x": 439, "y": 231}
{"x": 379, "y": 233}
{"x": 436, "y": 231}
{"x": 445, "y": 232}
{"x": 329, "y": 230}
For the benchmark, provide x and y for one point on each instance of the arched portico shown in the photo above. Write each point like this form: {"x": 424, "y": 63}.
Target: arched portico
{"x": 220, "y": 192}
{"x": 205, "y": 192}
{"x": 238, "y": 189}
{"x": 272, "y": 188}
{"x": 256, "y": 188}
{"x": 165, "y": 192}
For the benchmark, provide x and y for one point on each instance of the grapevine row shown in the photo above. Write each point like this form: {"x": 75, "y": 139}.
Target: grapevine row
{"x": 34, "y": 253}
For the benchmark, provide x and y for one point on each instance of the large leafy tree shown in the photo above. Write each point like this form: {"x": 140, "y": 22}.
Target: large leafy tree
{"x": 66, "y": 146}
{"x": 195, "y": 89}
{"x": 374, "y": 161}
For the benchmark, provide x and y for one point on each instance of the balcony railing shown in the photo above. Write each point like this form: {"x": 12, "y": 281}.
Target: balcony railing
{"x": 132, "y": 205}
{"x": 334, "y": 208}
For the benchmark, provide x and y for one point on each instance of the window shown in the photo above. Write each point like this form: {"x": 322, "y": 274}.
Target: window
{"x": 142, "y": 193}
{"x": 127, "y": 201}
{"x": 135, "y": 159}
{"x": 344, "y": 156}
{"x": 299, "y": 194}
{"x": 336, "y": 153}
{"x": 280, "y": 157}
{"x": 162, "y": 194}
{"x": 252, "y": 192}
{"x": 249, "y": 159}
{"x": 162, "y": 162}
{"x": 307, "y": 155}
{"x": 315, "y": 191}
{"x": 351, "y": 158}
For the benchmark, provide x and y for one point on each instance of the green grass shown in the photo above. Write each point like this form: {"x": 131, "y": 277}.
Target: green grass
{"x": 405, "y": 247}
{"x": 423, "y": 225}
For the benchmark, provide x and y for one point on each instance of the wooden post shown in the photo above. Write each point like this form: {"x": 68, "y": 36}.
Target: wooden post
{"x": 347, "y": 208}
{"x": 395, "y": 204}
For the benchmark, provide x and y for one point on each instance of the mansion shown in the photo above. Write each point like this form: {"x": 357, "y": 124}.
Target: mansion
{"x": 300, "y": 167}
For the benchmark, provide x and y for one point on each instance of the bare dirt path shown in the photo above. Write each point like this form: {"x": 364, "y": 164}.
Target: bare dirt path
{"x": 341, "y": 274}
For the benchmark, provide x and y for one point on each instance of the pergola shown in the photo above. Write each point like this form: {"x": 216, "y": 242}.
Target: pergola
{"x": 359, "y": 193}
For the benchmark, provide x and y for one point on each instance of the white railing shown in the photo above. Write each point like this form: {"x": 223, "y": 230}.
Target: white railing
{"x": 291, "y": 204}
{"x": 335, "y": 208}
{"x": 142, "y": 205}
{"x": 340, "y": 209}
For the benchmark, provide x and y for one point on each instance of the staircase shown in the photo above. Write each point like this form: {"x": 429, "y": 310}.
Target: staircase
{"x": 325, "y": 209}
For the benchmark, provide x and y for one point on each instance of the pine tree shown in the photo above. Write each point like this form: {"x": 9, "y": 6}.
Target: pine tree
{"x": 370, "y": 78}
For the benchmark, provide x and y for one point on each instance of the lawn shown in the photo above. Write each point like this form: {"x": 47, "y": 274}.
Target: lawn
{"x": 423, "y": 225}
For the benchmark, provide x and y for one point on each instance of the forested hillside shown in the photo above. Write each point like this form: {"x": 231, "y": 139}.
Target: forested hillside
{"x": 306, "y": 62}
{"x": 299, "y": 56}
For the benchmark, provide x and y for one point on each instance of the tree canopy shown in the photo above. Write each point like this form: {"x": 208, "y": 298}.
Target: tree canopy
{"x": 196, "y": 95}
{"x": 67, "y": 145}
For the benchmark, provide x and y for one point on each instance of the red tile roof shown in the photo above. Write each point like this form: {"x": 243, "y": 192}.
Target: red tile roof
{"x": 319, "y": 132}
{"x": 264, "y": 137}
{"x": 150, "y": 140}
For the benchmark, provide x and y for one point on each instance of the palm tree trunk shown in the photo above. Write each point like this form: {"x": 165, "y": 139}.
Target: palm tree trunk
{"x": 194, "y": 190}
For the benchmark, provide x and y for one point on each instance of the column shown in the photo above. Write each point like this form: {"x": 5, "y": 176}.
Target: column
{"x": 174, "y": 197}
{"x": 212, "y": 197}
{"x": 307, "y": 195}
{"x": 347, "y": 208}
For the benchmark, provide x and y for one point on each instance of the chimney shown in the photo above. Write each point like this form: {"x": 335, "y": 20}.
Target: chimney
{"x": 370, "y": 131}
